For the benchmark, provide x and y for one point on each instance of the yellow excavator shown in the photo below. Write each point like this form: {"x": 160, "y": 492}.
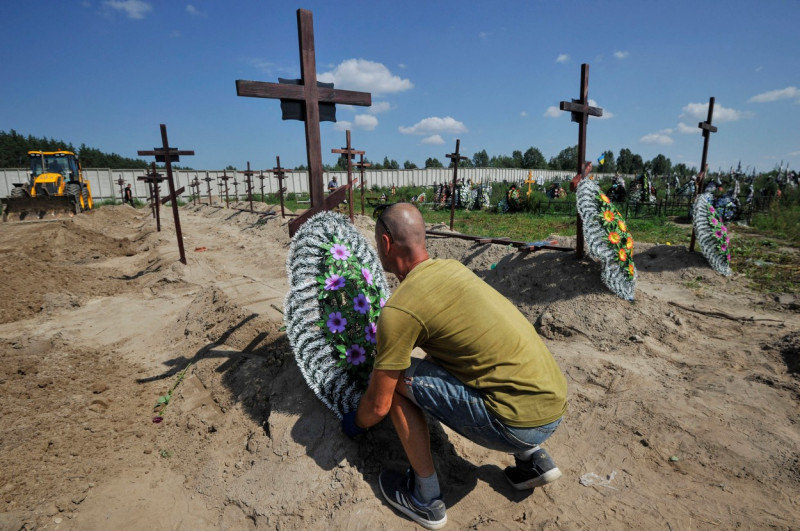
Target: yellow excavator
{"x": 56, "y": 188}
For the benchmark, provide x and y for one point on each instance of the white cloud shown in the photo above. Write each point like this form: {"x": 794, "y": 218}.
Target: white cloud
{"x": 552, "y": 112}
{"x": 794, "y": 153}
{"x": 775, "y": 95}
{"x": 194, "y": 11}
{"x": 687, "y": 129}
{"x": 133, "y": 8}
{"x": 621, "y": 54}
{"x": 524, "y": 114}
{"x": 261, "y": 64}
{"x": 721, "y": 114}
{"x": 563, "y": 58}
{"x": 656, "y": 138}
{"x": 367, "y": 76}
{"x": 434, "y": 125}
{"x": 401, "y": 66}
{"x": 366, "y": 122}
{"x": 379, "y": 107}
{"x": 606, "y": 113}
{"x": 342, "y": 125}
{"x": 433, "y": 139}
{"x": 483, "y": 35}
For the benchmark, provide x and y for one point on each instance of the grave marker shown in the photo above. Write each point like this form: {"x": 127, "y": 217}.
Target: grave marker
{"x": 308, "y": 93}
{"x": 351, "y": 154}
{"x": 580, "y": 111}
{"x": 280, "y": 174}
{"x": 455, "y": 157}
{"x": 698, "y": 186}
{"x": 225, "y": 178}
{"x": 361, "y": 165}
{"x": 248, "y": 174}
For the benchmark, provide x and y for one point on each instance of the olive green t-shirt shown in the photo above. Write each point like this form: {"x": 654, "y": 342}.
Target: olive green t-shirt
{"x": 477, "y": 335}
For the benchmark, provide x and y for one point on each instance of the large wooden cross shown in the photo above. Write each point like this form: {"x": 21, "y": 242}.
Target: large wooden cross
{"x": 454, "y": 157}
{"x": 168, "y": 155}
{"x": 351, "y": 154}
{"x": 698, "y": 185}
{"x": 311, "y": 96}
{"x": 581, "y": 110}
{"x": 280, "y": 174}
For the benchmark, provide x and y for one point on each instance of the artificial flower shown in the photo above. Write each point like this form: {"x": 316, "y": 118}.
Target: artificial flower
{"x": 361, "y": 304}
{"x": 367, "y": 275}
{"x": 371, "y": 332}
{"x": 608, "y": 216}
{"x": 336, "y": 323}
{"x": 334, "y": 282}
{"x": 623, "y": 255}
{"x": 356, "y": 355}
{"x": 629, "y": 243}
{"x": 605, "y": 198}
{"x": 613, "y": 237}
{"x": 340, "y": 252}
{"x": 621, "y": 224}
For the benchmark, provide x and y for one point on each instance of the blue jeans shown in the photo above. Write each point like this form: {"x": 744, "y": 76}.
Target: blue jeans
{"x": 462, "y": 409}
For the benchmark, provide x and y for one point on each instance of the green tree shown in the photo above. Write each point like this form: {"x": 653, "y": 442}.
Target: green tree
{"x": 433, "y": 162}
{"x": 533, "y": 159}
{"x": 629, "y": 163}
{"x": 609, "y": 165}
{"x": 516, "y": 159}
{"x": 661, "y": 165}
{"x": 408, "y": 165}
{"x": 480, "y": 159}
{"x": 501, "y": 161}
{"x": 567, "y": 159}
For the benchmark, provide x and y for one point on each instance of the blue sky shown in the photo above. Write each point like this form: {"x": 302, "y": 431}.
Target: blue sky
{"x": 107, "y": 72}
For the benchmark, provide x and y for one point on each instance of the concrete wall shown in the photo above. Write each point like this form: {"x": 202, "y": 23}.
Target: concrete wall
{"x": 104, "y": 181}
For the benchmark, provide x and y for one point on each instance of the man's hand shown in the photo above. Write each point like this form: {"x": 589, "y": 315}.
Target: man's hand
{"x": 349, "y": 426}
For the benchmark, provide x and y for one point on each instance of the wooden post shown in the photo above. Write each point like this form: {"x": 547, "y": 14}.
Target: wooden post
{"x": 280, "y": 174}
{"x": 581, "y": 110}
{"x": 311, "y": 95}
{"x": 455, "y": 157}
{"x": 351, "y": 154}
{"x": 698, "y": 186}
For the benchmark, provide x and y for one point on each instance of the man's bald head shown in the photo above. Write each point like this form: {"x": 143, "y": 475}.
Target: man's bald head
{"x": 405, "y": 224}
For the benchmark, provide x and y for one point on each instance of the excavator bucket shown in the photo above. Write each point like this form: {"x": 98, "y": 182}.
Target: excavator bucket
{"x": 33, "y": 208}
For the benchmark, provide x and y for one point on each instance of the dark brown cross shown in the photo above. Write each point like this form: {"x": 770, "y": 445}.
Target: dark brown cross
{"x": 248, "y": 176}
{"x": 225, "y": 177}
{"x": 280, "y": 174}
{"x": 153, "y": 179}
{"x": 121, "y": 183}
{"x": 581, "y": 110}
{"x": 454, "y": 157}
{"x": 235, "y": 190}
{"x": 195, "y": 186}
{"x": 168, "y": 155}
{"x": 311, "y": 96}
{"x": 707, "y": 130}
{"x": 208, "y": 187}
{"x": 361, "y": 165}
{"x": 351, "y": 154}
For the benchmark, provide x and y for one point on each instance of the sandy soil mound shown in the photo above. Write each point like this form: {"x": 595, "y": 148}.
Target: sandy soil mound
{"x": 683, "y": 404}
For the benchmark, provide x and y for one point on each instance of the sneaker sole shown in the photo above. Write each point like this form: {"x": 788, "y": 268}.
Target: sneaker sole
{"x": 427, "y": 524}
{"x": 539, "y": 481}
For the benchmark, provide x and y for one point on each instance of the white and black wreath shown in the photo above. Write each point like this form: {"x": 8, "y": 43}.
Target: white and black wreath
{"x": 711, "y": 233}
{"x": 337, "y": 290}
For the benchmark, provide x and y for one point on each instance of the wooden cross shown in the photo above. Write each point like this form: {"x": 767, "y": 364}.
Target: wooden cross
{"x": 351, "y": 154}
{"x": 707, "y": 130}
{"x": 235, "y": 190}
{"x": 225, "y": 177}
{"x": 121, "y": 183}
{"x": 581, "y": 110}
{"x": 153, "y": 179}
{"x": 195, "y": 186}
{"x": 280, "y": 174}
{"x": 361, "y": 165}
{"x": 262, "y": 176}
{"x": 529, "y": 181}
{"x": 454, "y": 157}
{"x": 208, "y": 187}
{"x": 168, "y": 155}
{"x": 248, "y": 174}
{"x": 311, "y": 96}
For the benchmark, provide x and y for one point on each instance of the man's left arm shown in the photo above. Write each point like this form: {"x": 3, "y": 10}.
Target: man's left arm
{"x": 377, "y": 400}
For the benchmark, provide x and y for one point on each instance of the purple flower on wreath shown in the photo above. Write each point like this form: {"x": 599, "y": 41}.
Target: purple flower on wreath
{"x": 371, "y": 331}
{"x": 382, "y": 302}
{"x": 711, "y": 209}
{"x": 355, "y": 355}
{"x": 718, "y": 234}
{"x": 723, "y": 248}
{"x": 367, "y": 275}
{"x": 361, "y": 304}
{"x": 336, "y": 322}
{"x": 729, "y": 257}
{"x": 714, "y": 221}
{"x": 727, "y": 241}
{"x": 340, "y": 252}
{"x": 723, "y": 228}
{"x": 334, "y": 282}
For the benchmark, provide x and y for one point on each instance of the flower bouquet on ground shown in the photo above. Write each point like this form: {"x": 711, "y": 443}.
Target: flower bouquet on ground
{"x": 607, "y": 238}
{"x": 337, "y": 289}
{"x": 712, "y": 235}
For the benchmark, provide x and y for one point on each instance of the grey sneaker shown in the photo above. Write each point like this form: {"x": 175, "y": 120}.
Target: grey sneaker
{"x": 540, "y": 470}
{"x": 397, "y": 488}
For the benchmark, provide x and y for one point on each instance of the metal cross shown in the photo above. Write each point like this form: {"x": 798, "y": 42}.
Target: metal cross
{"x": 208, "y": 187}
{"x": 455, "y": 157}
{"x": 280, "y": 174}
{"x": 581, "y": 110}
{"x": 311, "y": 95}
{"x": 153, "y": 179}
{"x": 121, "y": 183}
{"x": 351, "y": 154}
{"x": 262, "y": 176}
{"x": 707, "y": 130}
{"x": 225, "y": 177}
{"x": 195, "y": 186}
{"x": 168, "y": 155}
